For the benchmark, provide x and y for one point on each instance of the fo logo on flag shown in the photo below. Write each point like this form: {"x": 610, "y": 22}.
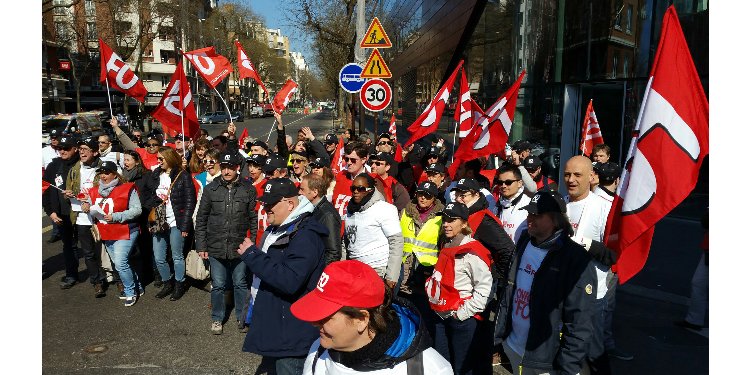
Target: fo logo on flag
{"x": 322, "y": 281}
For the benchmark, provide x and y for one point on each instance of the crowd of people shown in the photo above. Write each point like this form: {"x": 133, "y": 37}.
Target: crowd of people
{"x": 390, "y": 265}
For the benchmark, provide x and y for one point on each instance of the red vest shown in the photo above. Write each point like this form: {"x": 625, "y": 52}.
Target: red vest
{"x": 387, "y": 186}
{"x": 476, "y": 218}
{"x": 262, "y": 217}
{"x": 422, "y": 178}
{"x": 149, "y": 160}
{"x": 441, "y": 292}
{"x": 342, "y": 194}
{"x": 116, "y": 202}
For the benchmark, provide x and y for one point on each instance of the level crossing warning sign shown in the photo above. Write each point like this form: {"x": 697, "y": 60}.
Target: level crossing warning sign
{"x": 375, "y": 37}
{"x": 376, "y": 67}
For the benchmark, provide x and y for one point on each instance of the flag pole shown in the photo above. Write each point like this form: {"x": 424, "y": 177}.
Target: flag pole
{"x": 455, "y": 129}
{"x": 229, "y": 113}
{"x": 182, "y": 119}
{"x": 271, "y": 131}
{"x": 106, "y": 82}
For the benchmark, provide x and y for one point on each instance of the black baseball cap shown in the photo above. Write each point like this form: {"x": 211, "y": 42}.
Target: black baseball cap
{"x": 429, "y": 188}
{"x": 521, "y": 146}
{"x": 182, "y": 137}
{"x": 68, "y": 141}
{"x": 303, "y": 154}
{"x": 257, "y": 159}
{"x": 435, "y": 167}
{"x": 546, "y": 201}
{"x": 331, "y": 138}
{"x": 90, "y": 141}
{"x": 320, "y": 162}
{"x": 54, "y": 133}
{"x": 273, "y": 163}
{"x": 608, "y": 171}
{"x": 456, "y": 210}
{"x": 383, "y": 156}
{"x": 107, "y": 166}
{"x": 384, "y": 135}
{"x": 231, "y": 158}
{"x": 466, "y": 184}
{"x": 433, "y": 151}
{"x": 532, "y": 162}
{"x": 260, "y": 143}
{"x": 276, "y": 189}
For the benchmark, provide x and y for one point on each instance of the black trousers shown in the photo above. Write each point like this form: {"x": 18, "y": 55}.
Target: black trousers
{"x": 91, "y": 251}
{"x": 68, "y": 239}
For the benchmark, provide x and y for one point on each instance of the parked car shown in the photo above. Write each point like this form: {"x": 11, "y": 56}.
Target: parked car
{"x": 214, "y": 118}
{"x": 238, "y": 116}
{"x": 256, "y": 111}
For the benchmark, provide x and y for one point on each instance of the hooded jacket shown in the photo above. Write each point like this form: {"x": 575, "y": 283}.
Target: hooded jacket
{"x": 411, "y": 342}
{"x": 288, "y": 270}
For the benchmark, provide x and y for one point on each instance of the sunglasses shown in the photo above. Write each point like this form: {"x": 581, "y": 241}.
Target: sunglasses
{"x": 425, "y": 195}
{"x": 350, "y": 160}
{"x": 152, "y": 144}
{"x": 315, "y": 166}
{"x": 209, "y": 161}
{"x": 378, "y": 163}
{"x": 360, "y": 189}
{"x": 298, "y": 161}
{"x": 384, "y": 143}
{"x": 506, "y": 182}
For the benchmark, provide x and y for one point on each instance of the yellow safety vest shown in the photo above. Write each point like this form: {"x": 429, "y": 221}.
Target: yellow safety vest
{"x": 422, "y": 244}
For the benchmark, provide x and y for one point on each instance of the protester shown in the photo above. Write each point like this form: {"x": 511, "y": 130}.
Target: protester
{"x": 134, "y": 172}
{"x": 138, "y": 138}
{"x": 200, "y": 147}
{"x": 117, "y": 211}
{"x": 437, "y": 174}
{"x": 299, "y": 160}
{"x": 458, "y": 292}
{"x": 511, "y": 197}
{"x": 355, "y": 157}
{"x": 601, "y": 153}
{"x": 51, "y": 151}
{"x": 226, "y": 215}
{"x": 314, "y": 187}
{"x": 287, "y": 265}
{"x": 171, "y": 186}
{"x": 107, "y": 152}
{"x": 609, "y": 177}
{"x": 372, "y": 233}
{"x": 148, "y": 154}
{"x": 533, "y": 165}
{"x": 420, "y": 226}
{"x": 361, "y": 330}
{"x": 392, "y": 190}
{"x": 255, "y": 165}
{"x": 470, "y": 170}
{"x": 540, "y": 337}
{"x": 259, "y": 147}
{"x": 276, "y": 167}
{"x": 321, "y": 166}
{"x": 331, "y": 142}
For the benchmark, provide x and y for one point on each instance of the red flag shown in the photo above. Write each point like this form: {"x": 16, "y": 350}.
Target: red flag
{"x": 118, "y": 75}
{"x": 176, "y": 109}
{"x": 392, "y": 126}
{"x": 337, "y": 164}
{"x": 211, "y": 66}
{"x": 464, "y": 114}
{"x": 246, "y": 67}
{"x": 490, "y": 134}
{"x": 428, "y": 121}
{"x": 242, "y": 138}
{"x": 45, "y": 186}
{"x": 284, "y": 95}
{"x": 398, "y": 157}
{"x": 669, "y": 143}
{"x": 591, "y": 135}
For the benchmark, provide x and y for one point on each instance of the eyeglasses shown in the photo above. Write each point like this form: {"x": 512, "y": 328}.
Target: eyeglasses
{"x": 506, "y": 182}
{"x": 384, "y": 143}
{"x": 462, "y": 194}
{"x": 298, "y": 161}
{"x": 425, "y": 195}
{"x": 378, "y": 163}
{"x": 351, "y": 160}
{"x": 152, "y": 144}
{"x": 81, "y": 149}
{"x": 360, "y": 189}
{"x": 209, "y": 161}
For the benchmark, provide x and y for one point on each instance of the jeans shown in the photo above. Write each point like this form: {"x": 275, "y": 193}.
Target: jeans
{"x": 515, "y": 362}
{"x": 219, "y": 270}
{"x": 290, "y": 365}
{"x": 176, "y": 243}
{"x": 454, "y": 341}
{"x": 597, "y": 358}
{"x": 91, "y": 254}
{"x": 119, "y": 251}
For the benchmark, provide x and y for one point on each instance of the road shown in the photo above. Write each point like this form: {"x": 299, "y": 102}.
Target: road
{"x": 319, "y": 122}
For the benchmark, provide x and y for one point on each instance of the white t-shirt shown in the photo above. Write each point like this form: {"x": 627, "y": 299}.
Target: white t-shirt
{"x": 520, "y": 315}
{"x": 86, "y": 183}
{"x": 513, "y": 217}
{"x": 589, "y": 219}
{"x": 164, "y": 183}
{"x": 368, "y": 231}
{"x": 48, "y": 153}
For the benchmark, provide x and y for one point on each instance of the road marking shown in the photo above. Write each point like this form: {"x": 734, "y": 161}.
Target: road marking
{"x": 46, "y": 229}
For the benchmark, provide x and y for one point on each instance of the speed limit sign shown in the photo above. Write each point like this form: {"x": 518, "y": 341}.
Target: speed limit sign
{"x": 375, "y": 95}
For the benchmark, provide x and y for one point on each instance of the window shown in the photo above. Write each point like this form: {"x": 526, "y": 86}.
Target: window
{"x": 164, "y": 81}
{"x": 167, "y": 57}
{"x": 91, "y": 30}
{"x": 618, "y": 15}
{"x": 629, "y": 19}
{"x": 122, "y": 28}
{"x": 61, "y": 30}
{"x": 59, "y": 7}
{"x": 90, "y": 8}
{"x": 614, "y": 65}
{"x": 166, "y": 33}
{"x": 625, "y": 66}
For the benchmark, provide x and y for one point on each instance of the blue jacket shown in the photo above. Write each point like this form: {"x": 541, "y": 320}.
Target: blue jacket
{"x": 288, "y": 271}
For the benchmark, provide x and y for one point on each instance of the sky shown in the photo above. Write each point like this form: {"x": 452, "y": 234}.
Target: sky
{"x": 270, "y": 11}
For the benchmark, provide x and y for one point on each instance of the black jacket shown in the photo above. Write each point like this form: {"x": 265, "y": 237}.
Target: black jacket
{"x": 53, "y": 200}
{"x": 329, "y": 217}
{"x": 492, "y": 236}
{"x": 182, "y": 197}
{"x": 226, "y": 213}
{"x": 561, "y": 303}
{"x": 140, "y": 180}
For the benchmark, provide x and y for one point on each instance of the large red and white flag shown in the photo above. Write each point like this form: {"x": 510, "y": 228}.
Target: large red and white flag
{"x": 176, "y": 110}
{"x": 338, "y": 164}
{"x": 118, "y": 75}
{"x": 284, "y": 95}
{"x": 669, "y": 143}
{"x": 491, "y": 130}
{"x": 429, "y": 120}
{"x": 209, "y": 64}
{"x": 591, "y": 135}
{"x": 246, "y": 67}
{"x": 464, "y": 114}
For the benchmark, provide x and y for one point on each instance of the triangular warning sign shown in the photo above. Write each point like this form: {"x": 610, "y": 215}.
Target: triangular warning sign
{"x": 375, "y": 67}
{"x": 375, "y": 37}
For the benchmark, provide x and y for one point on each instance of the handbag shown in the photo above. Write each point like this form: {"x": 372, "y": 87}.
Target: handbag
{"x": 157, "y": 217}
{"x": 196, "y": 267}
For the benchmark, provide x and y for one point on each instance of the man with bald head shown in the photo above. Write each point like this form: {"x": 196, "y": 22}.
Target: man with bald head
{"x": 588, "y": 216}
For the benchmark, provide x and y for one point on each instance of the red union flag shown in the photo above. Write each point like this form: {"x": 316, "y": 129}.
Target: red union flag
{"x": 669, "y": 143}
{"x": 246, "y": 67}
{"x": 591, "y": 135}
{"x": 464, "y": 114}
{"x": 176, "y": 109}
{"x": 211, "y": 66}
{"x": 118, "y": 75}
{"x": 282, "y": 97}
{"x": 428, "y": 121}
{"x": 491, "y": 130}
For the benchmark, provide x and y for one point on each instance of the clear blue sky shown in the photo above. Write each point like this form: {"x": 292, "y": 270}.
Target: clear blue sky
{"x": 274, "y": 18}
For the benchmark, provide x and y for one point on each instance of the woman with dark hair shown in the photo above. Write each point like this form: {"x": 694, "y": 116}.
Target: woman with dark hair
{"x": 196, "y": 157}
{"x": 361, "y": 329}
{"x": 116, "y": 208}
{"x": 458, "y": 292}
{"x": 136, "y": 173}
{"x": 172, "y": 186}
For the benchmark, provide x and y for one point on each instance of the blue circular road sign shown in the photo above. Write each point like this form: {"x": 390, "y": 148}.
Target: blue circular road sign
{"x": 349, "y": 78}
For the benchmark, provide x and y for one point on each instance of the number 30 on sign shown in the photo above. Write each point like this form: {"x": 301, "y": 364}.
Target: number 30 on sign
{"x": 375, "y": 95}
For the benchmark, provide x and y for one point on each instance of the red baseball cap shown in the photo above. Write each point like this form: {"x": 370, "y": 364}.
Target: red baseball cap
{"x": 344, "y": 283}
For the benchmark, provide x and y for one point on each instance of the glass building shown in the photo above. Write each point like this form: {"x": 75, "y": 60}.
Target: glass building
{"x": 572, "y": 51}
